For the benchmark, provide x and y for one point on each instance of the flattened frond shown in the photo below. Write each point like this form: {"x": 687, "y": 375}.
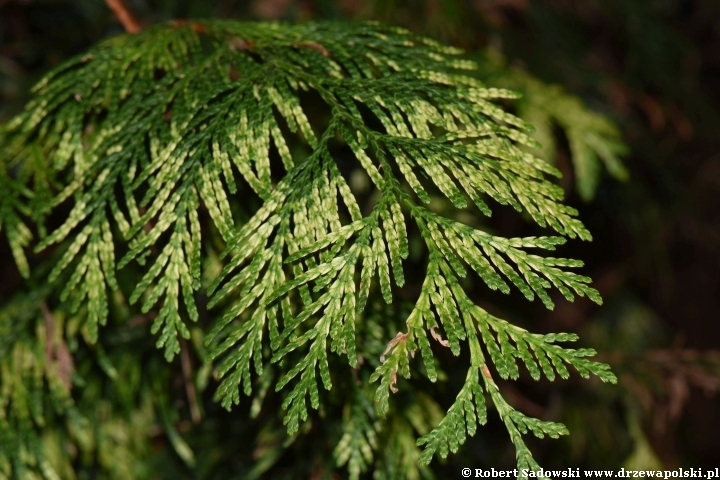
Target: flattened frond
{"x": 148, "y": 135}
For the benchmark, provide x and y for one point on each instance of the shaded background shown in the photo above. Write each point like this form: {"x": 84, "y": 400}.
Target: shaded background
{"x": 653, "y": 67}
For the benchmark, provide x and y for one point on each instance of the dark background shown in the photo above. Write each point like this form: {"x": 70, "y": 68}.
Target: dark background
{"x": 652, "y": 66}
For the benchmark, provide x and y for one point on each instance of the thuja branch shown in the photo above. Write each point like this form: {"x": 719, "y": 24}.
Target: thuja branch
{"x": 156, "y": 141}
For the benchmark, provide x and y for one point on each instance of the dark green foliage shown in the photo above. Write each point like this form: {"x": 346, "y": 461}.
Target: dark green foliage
{"x": 160, "y": 143}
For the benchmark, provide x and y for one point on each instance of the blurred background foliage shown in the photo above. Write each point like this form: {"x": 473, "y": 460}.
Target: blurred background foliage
{"x": 652, "y": 67}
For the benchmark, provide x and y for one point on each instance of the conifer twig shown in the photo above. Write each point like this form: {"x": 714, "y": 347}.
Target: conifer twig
{"x": 188, "y": 380}
{"x": 124, "y": 15}
{"x": 423, "y": 119}
{"x": 58, "y": 354}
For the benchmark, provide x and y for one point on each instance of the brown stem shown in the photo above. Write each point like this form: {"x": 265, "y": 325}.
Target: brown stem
{"x": 124, "y": 15}
{"x": 58, "y": 359}
{"x": 189, "y": 383}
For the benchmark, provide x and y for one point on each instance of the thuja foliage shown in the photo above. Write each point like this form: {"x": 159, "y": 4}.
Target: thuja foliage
{"x": 208, "y": 181}
{"x": 592, "y": 139}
